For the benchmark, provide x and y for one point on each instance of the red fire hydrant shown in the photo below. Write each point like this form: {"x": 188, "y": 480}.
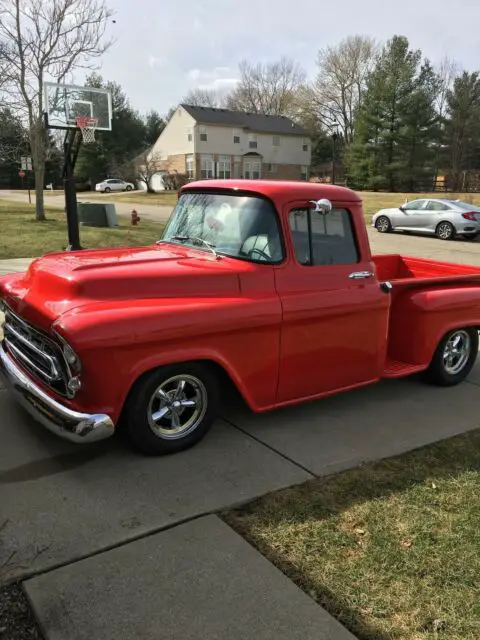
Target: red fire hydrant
{"x": 135, "y": 217}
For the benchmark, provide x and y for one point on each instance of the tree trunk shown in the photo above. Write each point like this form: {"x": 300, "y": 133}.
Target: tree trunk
{"x": 39, "y": 203}
{"x": 38, "y": 156}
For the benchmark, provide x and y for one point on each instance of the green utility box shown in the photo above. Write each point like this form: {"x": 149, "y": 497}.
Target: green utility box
{"x": 97, "y": 214}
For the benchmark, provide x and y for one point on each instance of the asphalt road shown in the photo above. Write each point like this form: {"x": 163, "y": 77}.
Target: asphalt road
{"x": 155, "y": 213}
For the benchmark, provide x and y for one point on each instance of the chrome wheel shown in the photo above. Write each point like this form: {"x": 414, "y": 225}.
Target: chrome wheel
{"x": 177, "y": 407}
{"x": 456, "y": 352}
{"x": 382, "y": 224}
{"x": 445, "y": 231}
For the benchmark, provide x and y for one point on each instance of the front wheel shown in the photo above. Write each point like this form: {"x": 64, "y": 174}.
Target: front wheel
{"x": 172, "y": 408}
{"x": 445, "y": 231}
{"x": 454, "y": 357}
{"x": 107, "y": 190}
{"x": 383, "y": 224}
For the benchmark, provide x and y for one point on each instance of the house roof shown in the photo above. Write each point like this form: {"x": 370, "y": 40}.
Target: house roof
{"x": 245, "y": 120}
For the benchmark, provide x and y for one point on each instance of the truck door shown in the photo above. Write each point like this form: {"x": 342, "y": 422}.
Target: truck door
{"x": 335, "y": 315}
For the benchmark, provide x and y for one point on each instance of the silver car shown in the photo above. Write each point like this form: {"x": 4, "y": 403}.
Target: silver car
{"x": 443, "y": 218}
{"x": 114, "y": 184}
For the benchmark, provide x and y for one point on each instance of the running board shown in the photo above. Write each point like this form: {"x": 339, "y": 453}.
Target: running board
{"x": 397, "y": 369}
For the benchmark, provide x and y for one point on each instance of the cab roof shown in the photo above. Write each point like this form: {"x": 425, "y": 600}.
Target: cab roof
{"x": 277, "y": 189}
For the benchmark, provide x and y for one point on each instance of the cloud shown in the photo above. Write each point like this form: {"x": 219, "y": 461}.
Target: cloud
{"x": 155, "y": 61}
{"x": 216, "y": 79}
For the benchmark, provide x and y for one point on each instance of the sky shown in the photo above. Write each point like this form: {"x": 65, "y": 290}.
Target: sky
{"x": 162, "y": 50}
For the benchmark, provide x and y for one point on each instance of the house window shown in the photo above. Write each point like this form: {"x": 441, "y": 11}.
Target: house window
{"x": 189, "y": 135}
{"x": 190, "y": 165}
{"x": 304, "y": 172}
{"x": 323, "y": 240}
{"x": 223, "y": 167}
{"x": 276, "y": 141}
{"x": 236, "y": 137}
{"x": 206, "y": 165}
{"x": 305, "y": 144}
{"x": 272, "y": 168}
{"x": 251, "y": 170}
{"x": 203, "y": 134}
{"x": 252, "y": 141}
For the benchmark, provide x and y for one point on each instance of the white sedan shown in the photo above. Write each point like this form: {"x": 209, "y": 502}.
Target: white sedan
{"x": 114, "y": 184}
{"x": 437, "y": 216}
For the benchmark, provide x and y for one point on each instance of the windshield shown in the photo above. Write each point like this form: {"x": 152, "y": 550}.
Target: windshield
{"x": 238, "y": 226}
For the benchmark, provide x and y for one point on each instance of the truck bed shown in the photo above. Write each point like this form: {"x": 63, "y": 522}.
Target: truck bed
{"x": 409, "y": 270}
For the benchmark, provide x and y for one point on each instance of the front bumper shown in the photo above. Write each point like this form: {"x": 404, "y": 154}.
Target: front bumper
{"x": 69, "y": 425}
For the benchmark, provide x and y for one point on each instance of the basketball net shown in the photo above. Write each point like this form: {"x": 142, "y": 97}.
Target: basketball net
{"x": 87, "y": 126}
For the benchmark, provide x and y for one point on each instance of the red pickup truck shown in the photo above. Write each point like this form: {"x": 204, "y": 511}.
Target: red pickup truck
{"x": 270, "y": 286}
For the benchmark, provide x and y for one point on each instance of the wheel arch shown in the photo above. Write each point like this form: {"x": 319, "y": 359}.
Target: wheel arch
{"x": 448, "y": 222}
{"x": 227, "y": 379}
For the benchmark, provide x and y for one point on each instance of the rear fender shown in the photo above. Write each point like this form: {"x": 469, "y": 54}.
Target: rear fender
{"x": 420, "y": 319}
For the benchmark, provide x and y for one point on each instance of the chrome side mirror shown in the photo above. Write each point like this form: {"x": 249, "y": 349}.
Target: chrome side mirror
{"x": 322, "y": 206}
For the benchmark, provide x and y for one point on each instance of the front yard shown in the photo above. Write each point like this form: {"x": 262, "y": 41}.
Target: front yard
{"x": 391, "y": 549}
{"x": 21, "y": 236}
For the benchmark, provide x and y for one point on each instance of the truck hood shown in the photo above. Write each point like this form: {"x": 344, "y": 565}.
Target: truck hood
{"x": 60, "y": 282}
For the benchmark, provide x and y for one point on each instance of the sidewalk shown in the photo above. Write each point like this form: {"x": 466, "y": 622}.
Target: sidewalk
{"x": 14, "y": 265}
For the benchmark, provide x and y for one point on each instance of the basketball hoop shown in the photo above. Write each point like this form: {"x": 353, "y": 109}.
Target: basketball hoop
{"x": 87, "y": 126}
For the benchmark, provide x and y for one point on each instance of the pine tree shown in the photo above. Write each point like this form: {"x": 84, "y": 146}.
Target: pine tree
{"x": 396, "y": 125}
{"x": 462, "y": 126}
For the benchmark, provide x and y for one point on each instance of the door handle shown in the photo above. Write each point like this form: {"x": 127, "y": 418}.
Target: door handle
{"x": 358, "y": 275}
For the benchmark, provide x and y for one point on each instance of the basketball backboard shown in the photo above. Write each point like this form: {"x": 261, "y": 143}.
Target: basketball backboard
{"x": 65, "y": 103}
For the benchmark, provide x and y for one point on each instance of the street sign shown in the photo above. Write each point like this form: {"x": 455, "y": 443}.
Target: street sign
{"x": 21, "y": 173}
{"x": 26, "y": 162}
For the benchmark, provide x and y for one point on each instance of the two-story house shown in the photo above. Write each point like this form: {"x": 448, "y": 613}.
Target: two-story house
{"x": 203, "y": 143}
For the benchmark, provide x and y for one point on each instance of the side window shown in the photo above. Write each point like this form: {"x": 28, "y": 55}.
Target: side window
{"x": 435, "y": 205}
{"x": 332, "y": 237}
{"x": 414, "y": 205}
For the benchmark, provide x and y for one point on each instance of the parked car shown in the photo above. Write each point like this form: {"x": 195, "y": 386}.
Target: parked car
{"x": 269, "y": 286}
{"x": 114, "y": 184}
{"x": 443, "y": 218}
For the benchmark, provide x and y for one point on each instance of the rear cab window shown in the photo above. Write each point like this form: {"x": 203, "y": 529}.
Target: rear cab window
{"x": 323, "y": 239}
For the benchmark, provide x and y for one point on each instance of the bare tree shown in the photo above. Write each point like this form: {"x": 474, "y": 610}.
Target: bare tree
{"x": 202, "y": 98}
{"x": 44, "y": 40}
{"x": 146, "y": 166}
{"x": 447, "y": 71}
{"x": 270, "y": 89}
{"x": 336, "y": 92}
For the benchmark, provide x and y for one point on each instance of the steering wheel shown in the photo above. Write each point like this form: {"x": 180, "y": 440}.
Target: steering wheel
{"x": 261, "y": 253}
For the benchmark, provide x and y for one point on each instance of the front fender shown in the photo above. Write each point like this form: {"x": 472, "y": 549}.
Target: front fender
{"x": 118, "y": 345}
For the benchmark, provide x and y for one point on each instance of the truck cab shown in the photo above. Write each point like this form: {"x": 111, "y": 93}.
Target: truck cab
{"x": 267, "y": 285}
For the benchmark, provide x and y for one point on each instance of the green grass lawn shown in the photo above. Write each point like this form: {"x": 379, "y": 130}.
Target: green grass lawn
{"x": 391, "y": 549}
{"x": 21, "y": 236}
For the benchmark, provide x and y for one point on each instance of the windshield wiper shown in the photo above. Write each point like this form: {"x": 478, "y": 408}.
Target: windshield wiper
{"x": 196, "y": 239}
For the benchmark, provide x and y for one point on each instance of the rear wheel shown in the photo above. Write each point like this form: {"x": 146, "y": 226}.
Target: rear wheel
{"x": 129, "y": 188}
{"x": 454, "y": 357}
{"x": 445, "y": 231}
{"x": 383, "y": 224}
{"x": 172, "y": 408}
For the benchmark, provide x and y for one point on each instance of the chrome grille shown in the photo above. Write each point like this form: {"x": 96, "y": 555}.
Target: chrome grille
{"x": 36, "y": 352}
